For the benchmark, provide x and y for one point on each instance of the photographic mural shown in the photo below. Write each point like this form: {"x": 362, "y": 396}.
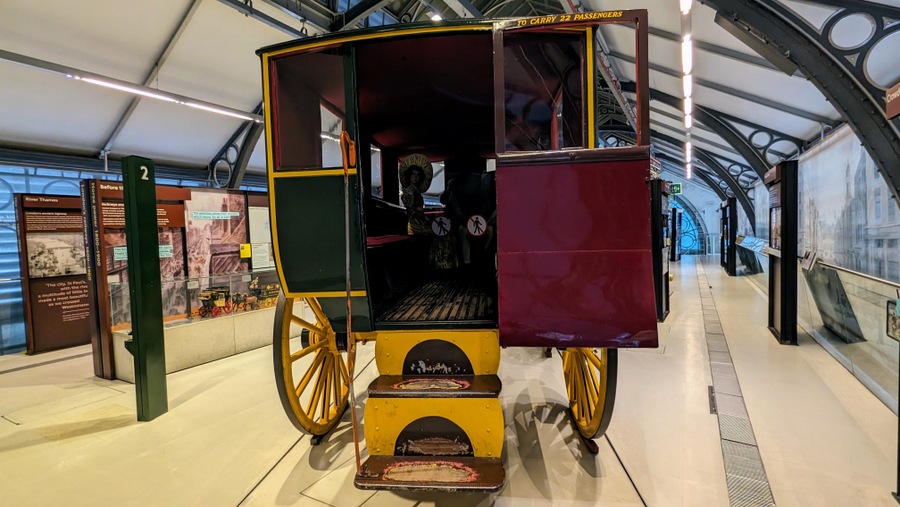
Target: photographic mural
{"x": 55, "y": 254}
{"x": 847, "y": 214}
{"x": 216, "y": 228}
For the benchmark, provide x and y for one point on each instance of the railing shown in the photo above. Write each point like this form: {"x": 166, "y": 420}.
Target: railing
{"x": 848, "y": 314}
{"x": 12, "y": 316}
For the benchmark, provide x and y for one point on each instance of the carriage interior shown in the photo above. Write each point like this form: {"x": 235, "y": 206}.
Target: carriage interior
{"x": 431, "y": 102}
{"x": 443, "y": 108}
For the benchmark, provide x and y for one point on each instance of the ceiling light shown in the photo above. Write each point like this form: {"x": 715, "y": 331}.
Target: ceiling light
{"x": 688, "y": 85}
{"x": 688, "y": 105}
{"x": 125, "y": 86}
{"x": 436, "y": 17}
{"x": 688, "y": 172}
{"x": 685, "y": 6}
{"x": 687, "y": 56}
{"x": 688, "y": 121}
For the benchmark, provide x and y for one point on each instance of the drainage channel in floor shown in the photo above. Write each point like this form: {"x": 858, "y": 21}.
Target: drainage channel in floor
{"x": 745, "y": 476}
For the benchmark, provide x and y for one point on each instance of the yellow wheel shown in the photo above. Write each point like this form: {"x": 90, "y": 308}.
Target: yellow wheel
{"x": 311, "y": 366}
{"x": 591, "y": 386}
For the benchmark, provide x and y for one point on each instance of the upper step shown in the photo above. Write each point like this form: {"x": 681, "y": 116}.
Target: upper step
{"x": 447, "y": 473}
{"x": 435, "y": 386}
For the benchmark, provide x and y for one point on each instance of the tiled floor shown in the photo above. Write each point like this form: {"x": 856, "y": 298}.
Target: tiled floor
{"x": 67, "y": 438}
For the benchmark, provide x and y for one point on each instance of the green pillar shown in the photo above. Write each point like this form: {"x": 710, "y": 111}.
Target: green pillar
{"x": 141, "y": 233}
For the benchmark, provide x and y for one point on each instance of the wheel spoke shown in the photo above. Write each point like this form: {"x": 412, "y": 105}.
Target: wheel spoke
{"x": 309, "y": 373}
{"x": 344, "y": 373}
{"x": 593, "y": 384}
{"x": 313, "y": 401}
{"x": 304, "y": 352}
{"x": 318, "y": 312}
{"x": 308, "y": 325}
{"x": 326, "y": 390}
{"x": 596, "y": 361}
{"x": 336, "y": 382}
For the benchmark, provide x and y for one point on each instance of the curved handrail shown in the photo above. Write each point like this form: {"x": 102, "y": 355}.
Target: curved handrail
{"x": 861, "y": 275}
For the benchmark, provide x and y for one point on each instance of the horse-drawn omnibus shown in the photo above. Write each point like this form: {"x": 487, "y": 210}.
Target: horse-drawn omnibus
{"x": 439, "y": 190}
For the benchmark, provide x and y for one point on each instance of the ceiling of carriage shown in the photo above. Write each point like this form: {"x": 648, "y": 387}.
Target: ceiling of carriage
{"x": 748, "y": 113}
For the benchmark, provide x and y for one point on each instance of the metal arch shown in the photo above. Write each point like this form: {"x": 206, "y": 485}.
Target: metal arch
{"x": 711, "y": 163}
{"x": 238, "y": 166}
{"x": 355, "y": 14}
{"x": 243, "y": 158}
{"x": 694, "y": 213}
{"x": 711, "y": 181}
{"x": 710, "y": 118}
{"x": 734, "y": 92}
{"x": 762, "y": 149}
{"x": 828, "y": 70}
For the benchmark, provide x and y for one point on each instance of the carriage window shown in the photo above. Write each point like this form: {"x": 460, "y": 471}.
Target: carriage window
{"x": 315, "y": 82}
{"x": 544, "y": 82}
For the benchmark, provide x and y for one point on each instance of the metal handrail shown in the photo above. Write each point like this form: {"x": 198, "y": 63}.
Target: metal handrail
{"x": 861, "y": 275}
{"x": 19, "y": 279}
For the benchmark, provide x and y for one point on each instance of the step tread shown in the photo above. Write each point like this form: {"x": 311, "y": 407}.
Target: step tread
{"x": 428, "y": 386}
{"x": 440, "y": 473}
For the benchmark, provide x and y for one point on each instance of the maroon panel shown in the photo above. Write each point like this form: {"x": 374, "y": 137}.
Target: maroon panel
{"x": 584, "y": 299}
{"x": 574, "y": 206}
{"x": 574, "y": 250}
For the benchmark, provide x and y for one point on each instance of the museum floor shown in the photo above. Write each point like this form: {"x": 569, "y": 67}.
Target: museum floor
{"x": 67, "y": 438}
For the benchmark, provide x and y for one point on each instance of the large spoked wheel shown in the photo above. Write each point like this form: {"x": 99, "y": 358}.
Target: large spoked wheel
{"x": 312, "y": 368}
{"x": 591, "y": 386}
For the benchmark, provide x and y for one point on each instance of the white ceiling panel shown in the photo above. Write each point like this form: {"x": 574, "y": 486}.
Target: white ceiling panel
{"x": 109, "y": 37}
{"x": 169, "y": 132}
{"x": 42, "y": 109}
{"x": 215, "y": 58}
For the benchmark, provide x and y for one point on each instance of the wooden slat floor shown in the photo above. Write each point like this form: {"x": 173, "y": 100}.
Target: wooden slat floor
{"x": 444, "y": 300}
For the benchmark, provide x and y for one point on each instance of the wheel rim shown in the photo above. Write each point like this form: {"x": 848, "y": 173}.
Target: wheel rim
{"x": 312, "y": 381}
{"x": 591, "y": 387}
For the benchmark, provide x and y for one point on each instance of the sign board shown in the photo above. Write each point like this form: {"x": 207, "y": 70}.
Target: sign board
{"x": 892, "y": 101}
{"x": 675, "y": 188}
{"x": 245, "y": 251}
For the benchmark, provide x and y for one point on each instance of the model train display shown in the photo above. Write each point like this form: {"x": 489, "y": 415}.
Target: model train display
{"x": 542, "y": 238}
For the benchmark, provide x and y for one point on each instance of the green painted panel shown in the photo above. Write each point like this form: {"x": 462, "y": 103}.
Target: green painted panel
{"x": 310, "y": 235}
{"x": 309, "y": 215}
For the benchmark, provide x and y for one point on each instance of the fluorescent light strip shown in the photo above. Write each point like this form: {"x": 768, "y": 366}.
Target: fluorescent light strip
{"x": 125, "y": 86}
{"x": 687, "y": 66}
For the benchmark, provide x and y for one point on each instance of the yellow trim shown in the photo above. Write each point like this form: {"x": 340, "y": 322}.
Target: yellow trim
{"x": 480, "y": 418}
{"x": 270, "y": 162}
{"x": 589, "y": 58}
{"x": 481, "y": 346}
{"x": 380, "y": 35}
{"x": 327, "y": 294}
{"x": 314, "y": 172}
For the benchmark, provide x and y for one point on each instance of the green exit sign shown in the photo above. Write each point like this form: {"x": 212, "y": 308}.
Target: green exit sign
{"x": 674, "y": 188}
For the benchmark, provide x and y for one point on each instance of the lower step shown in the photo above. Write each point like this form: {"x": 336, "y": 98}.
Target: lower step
{"x": 439, "y": 473}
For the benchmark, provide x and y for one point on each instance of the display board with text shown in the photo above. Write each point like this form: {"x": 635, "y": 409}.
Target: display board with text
{"x": 54, "y": 276}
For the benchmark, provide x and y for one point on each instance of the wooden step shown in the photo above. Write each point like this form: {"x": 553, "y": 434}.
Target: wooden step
{"x": 435, "y": 386}
{"x": 447, "y": 473}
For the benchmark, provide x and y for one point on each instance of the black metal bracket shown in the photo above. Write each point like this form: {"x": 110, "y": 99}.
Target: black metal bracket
{"x": 839, "y": 73}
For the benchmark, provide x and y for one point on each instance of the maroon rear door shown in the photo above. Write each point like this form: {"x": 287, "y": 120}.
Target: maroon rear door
{"x": 574, "y": 249}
